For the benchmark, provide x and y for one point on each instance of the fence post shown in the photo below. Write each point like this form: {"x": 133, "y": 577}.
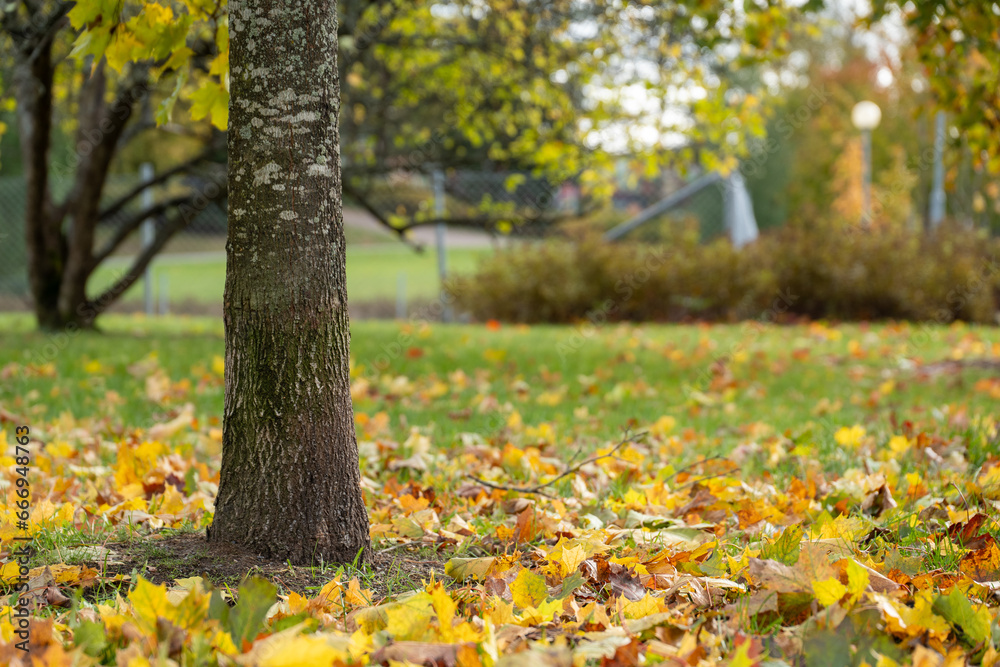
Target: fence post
{"x": 148, "y": 234}
{"x": 164, "y": 292}
{"x": 439, "y": 233}
{"x": 401, "y": 296}
{"x": 937, "y": 191}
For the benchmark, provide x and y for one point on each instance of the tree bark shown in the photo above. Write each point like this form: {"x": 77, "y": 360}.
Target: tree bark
{"x": 290, "y": 482}
{"x": 33, "y": 79}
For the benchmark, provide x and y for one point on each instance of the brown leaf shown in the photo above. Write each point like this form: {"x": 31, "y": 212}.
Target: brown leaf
{"x": 55, "y": 598}
{"x": 626, "y": 582}
{"x": 625, "y": 656}
{"x": 499, "y": 584}
{"x": 516, "y": 506}
{"x": 702, "y": 499}
{"x": 419, "y": 653}
{"x": 878, "y": 501}
{"x": 775, "y": 576}
{"x": 983, "y": 564}
{"x": 526, "y": 527}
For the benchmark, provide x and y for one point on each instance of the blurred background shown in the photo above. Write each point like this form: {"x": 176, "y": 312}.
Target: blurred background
{"x": 525, "y": 158}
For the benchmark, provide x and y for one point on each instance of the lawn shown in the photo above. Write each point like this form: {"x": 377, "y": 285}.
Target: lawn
{"x": 774, "y": 482}
{"x": 374, "y": 272}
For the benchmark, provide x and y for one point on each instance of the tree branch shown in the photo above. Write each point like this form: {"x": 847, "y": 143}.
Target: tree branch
{"x": 135, "y": 221}
{"x": 365, "y": 204}
{"x": 487, "y": 223}
{"x": 123, "y": 201}
{"x": 51, "y": 27}
{"x": 97, "y": 306}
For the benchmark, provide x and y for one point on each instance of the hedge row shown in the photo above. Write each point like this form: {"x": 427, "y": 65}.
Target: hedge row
{"x": 821, "y": 272}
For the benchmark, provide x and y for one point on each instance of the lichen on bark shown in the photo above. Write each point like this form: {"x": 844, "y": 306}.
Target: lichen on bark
{"x": 290, "y": 482}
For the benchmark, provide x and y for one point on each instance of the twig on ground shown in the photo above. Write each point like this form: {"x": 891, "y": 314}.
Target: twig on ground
{"x": 537, "y": 489}
{"x": 695, "y": 464}
{"x": 402, "y": 545}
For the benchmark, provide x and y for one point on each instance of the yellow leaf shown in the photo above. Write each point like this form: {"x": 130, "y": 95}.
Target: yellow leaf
{"x": 741, "y": 656}
{"x": 663, "y": 426}
{"x": 461, "y": 569}
{"x": 646, "y": 606}
{"x": 212, "y": 99}
{"x": 303, "y": 650}
{"x": 571, "y": 559}
{"x": 444, "y": 607}
{"x": 10, "y": 572}
{"x": 528, "y": 589}
{"x": 542, "y": 614}
{"x": 829, "y": 591}
{"x": 501, "y": 612}
{"x": 850, "y": 437}
{"x": 857, "y": 578}
{"x": 899, "y": 444}
{"x": 149, "y": 602}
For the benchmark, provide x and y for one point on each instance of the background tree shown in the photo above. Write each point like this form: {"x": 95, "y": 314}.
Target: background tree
{"x": 546, "y": 88}
{"x": 554, "y": 89}
{"x": 102, "y": 74}
{"x": 290, "y": 481}
{"x": 956, "y": 42}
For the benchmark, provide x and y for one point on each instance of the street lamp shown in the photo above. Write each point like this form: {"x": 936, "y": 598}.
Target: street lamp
{"x": 866, "y": 116}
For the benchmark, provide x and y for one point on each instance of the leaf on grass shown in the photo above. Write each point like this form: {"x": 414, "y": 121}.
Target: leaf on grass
{"x": 625, "y": 582}
{"x": 253, "y": 601}
{"x": 971, "y": 622}
{"x": 829, "y": 591}
{"x": 983, "y": 564}
{"x": 786, "y": 548}
{"x": 461, "y": 569}
{"x": 528, "y": 590}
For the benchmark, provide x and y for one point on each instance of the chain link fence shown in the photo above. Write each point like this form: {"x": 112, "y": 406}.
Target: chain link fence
{"x": 206, "y": 234}
{"x": 385, "y": 278}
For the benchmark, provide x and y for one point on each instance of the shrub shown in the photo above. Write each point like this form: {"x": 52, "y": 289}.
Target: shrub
{"x": 817, "y": 272}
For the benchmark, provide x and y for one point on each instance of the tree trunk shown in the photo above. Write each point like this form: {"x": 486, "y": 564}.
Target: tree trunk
{"x": 290, "y": 483}
{"x": 33, "y": 79}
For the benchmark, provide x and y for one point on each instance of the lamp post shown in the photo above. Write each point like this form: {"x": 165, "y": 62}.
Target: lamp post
{"x": 866, "y": 116}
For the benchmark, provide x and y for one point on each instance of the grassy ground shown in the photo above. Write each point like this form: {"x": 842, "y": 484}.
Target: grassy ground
{"x": 594, "y": 382}
{"x": 373, "y": 273}
{"x": 853, "y": 412}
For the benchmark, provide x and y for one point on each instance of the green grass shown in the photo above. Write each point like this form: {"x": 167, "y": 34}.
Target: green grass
{"x": 373, "y": 274}
{"x": 588, "y": 388}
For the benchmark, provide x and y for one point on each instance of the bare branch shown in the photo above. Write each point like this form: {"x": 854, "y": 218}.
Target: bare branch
{"x": 52, "y": 25}
{"x": 97, "y": 306}
{"x": 135, "y": 221}
{"x": 365, "y": 204}
{"x": 123, "y": 201}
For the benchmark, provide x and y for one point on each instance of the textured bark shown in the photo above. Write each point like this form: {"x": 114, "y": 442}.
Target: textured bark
{"x": 33, "y": 75}
{"x": 290, "y": 483}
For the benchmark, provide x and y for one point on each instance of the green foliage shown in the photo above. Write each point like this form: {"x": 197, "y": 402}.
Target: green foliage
{"x": 817, "y": 272}
{"x": 956, "y": 43}
{"x": 246, "y": 619}
{"x": 518, "y": 85}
